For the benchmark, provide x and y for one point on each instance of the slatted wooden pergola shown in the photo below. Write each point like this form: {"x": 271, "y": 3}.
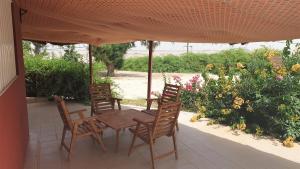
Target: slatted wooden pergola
{"x": 111, "y": 21}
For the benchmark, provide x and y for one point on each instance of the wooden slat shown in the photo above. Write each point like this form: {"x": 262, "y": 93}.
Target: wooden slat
{"x": 101, "y": 97}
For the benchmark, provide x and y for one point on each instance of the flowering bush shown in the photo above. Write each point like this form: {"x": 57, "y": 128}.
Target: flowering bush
{"x": 260, "y": 97}
{"x": 190, "y": 91}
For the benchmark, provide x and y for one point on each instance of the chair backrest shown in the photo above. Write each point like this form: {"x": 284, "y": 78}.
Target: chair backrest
{"x": 63, "y": 112}
{"x": 171, "y": 93}
{"x": 165, "y": 119}
{"x": 101, "y": 97}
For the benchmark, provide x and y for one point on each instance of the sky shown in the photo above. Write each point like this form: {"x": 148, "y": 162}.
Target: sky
{"x": 177, "y": 48}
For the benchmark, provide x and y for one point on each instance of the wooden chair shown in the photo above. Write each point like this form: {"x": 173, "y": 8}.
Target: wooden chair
{"x": 163, "y": 125}
{"x": 102, "y": 99}
{"x": 79, "y": 128}
{"x": 171, "y": 94}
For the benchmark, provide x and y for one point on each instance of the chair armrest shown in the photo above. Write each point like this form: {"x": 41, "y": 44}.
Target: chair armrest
{"x": 118, "y": 99}
{"x": 150, "y": 101}
{"x": 78, "y": 122}
{"x": 79, "y": 112}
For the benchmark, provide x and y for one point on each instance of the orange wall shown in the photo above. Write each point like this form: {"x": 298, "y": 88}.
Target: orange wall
{"x": 13, "y": 114}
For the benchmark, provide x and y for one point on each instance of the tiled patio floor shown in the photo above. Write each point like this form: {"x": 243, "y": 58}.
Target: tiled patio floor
{"x": 197, "y": 150}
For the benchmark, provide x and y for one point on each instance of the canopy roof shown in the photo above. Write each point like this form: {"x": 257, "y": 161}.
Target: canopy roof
{"x": 114, "y": 21}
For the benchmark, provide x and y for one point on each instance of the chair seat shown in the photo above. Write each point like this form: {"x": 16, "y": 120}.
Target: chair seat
{"x": 152, "y": 112}
{"x": 86, "y": 127}
{"x": 142, "y": 133}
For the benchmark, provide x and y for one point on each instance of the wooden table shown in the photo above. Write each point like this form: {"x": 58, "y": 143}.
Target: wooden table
{"x": 121, "y": 119}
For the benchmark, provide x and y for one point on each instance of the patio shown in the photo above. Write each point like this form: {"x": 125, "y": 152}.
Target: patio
{"x": 196, "y": 149}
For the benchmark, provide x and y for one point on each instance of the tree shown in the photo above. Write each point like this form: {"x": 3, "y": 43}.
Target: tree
{"x": 111, "y": 55}
{"x": 39, "y": 48}
{"x": 146, "y": 43}
{"x": 287, "y": 49}
{"x": 27, "y": 50}
{"x": 71, "y": 54}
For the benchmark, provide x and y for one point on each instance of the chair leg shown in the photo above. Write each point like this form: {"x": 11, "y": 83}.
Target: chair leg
{"x": 177, "y": 126}
{"x": 175, "y": 146}
{"x": 117, "y": 140}
{"x": 63, "y": 137}
{"x": 151, "y": 152}
{"x": 99, "y": 139}
{"x": 73, "y": 140}
{"x": 101, "y": 135}
{"x": 132, "y": 144}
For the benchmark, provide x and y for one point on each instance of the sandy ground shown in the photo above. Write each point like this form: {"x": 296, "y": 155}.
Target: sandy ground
{"x": 133, "y": 85}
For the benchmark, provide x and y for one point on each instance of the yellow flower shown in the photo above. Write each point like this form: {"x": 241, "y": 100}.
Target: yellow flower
{"x": 250, "y": 108}
{"x": 258, "y": 131}
{"x": 209, "y": 67}
{"x": 240, "y": 66}
{"x": 234, "y": 93}
{"x": 296, "y": 68}
{"x": 211, "y": 122}
{"x": 295, "y": 118}
{"x": 202, "y": 109}
{"x": 281, "y": 71}
{"x": 226, "y": 111}
{"x": 200, "y": 112}
{"x": 289, "y": 141}
{"x": 227, "y": 88}
{"x": 241, "y": 126}
{"x": 237, "y": 102}
{"x": 236, "y": 106}
{"x": 271, "y": 53}
{"x": 194, "y": 118}
{"x": 219, "y": 96}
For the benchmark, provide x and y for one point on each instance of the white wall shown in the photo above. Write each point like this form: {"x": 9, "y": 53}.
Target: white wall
{"x": 7, "y": 51}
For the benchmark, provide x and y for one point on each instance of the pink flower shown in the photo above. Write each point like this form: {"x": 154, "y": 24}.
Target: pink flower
{"x": 177, "y": 79}
{"x": 195, "y": 79}
{"x": 279, "y": 77}
{"x": 188, "y": 87}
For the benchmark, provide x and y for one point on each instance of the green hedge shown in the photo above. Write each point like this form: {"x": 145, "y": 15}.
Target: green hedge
{"x": 46, "y": 77}
{"x": 188, "y": 63}
{"x": 55, "y": 76}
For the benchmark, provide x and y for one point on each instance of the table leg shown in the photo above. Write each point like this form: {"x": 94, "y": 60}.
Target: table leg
{"x": 117, "y": 140}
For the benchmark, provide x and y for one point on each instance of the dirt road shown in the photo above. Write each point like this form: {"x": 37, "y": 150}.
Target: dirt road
{"x": 133, "y": 85}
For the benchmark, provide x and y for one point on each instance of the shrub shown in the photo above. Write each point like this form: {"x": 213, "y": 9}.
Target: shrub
{"x": 186, "y": 63}
{"x": 45, "y": 78}
{"x": 257, "y": 96}
{"x": 70, "y": 79}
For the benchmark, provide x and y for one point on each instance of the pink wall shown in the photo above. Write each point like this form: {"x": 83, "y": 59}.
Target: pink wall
{"x": 13, "y": 113}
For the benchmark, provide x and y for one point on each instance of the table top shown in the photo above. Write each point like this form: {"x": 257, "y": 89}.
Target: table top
{"x": 119, "y": 119}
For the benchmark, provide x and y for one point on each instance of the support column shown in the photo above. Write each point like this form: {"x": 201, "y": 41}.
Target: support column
{"x": 149, "y": 74}
{"x": 91, "y": 65}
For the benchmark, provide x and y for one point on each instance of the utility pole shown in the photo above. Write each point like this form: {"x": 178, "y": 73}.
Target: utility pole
{"x": 187, "y": 47}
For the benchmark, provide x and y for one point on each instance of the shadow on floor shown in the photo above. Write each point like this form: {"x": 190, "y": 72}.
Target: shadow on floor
{"x": 197, "y": 150}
